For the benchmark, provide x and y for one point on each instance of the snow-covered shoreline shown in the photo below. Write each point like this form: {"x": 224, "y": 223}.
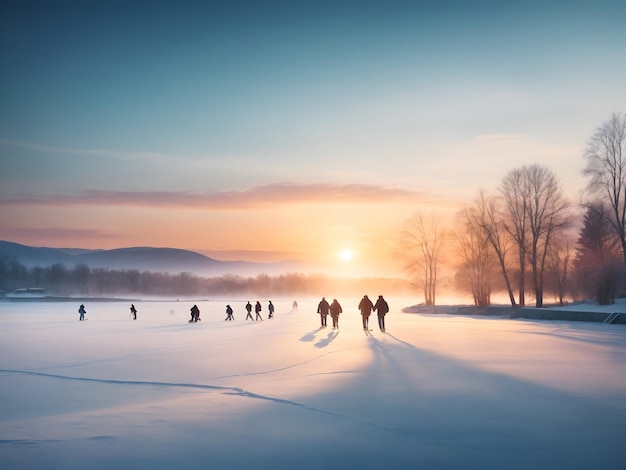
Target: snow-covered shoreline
{"x": 587, "y": 311}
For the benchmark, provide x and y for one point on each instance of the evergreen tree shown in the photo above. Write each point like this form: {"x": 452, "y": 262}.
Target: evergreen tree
{"x": 597, "y": 262}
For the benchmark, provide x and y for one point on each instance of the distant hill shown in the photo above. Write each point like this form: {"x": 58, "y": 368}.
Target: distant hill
{"x": 171, "y": 260}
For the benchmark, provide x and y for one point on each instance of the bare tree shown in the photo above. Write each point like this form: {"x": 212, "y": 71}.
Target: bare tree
{"x": 606, "y": 169}
{"x": 486, "y": 214}
{"x": 560, "y": 257}
{"x": 421, "y": 241}
{"x": 546, "y": 215}
{"x": 477, "y": 257}
{"x": 535, "y": 210}
{"x": 516, "y": 194}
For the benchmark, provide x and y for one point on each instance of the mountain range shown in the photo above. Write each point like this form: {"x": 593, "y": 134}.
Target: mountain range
{"x": 170, "y": 260}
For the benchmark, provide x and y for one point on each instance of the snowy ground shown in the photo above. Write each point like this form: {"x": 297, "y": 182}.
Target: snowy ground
{"x": 435, "y": 392}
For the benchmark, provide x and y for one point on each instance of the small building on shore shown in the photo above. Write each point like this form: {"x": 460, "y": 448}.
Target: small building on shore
{"x": 27, "y": 293}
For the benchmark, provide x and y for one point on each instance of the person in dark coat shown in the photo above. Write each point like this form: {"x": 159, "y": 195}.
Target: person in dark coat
{"x": 335, "y": 310}
{"x": 381, "y": 308}
{"x": 133, "y": 311}
{"x": 82, "y": 312}
{"x": 323, "y": 309}
{"x": 270, "y": 307}
{"x": 195, "y": 314}
{"x": 257, "y": 310}
{"x": 229, "y": 313}
{"x": 366, "y": 306}
{"x": 249, "y": 310}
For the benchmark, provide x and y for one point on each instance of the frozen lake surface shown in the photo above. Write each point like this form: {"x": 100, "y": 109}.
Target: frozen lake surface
{"x": 435, "y": 391}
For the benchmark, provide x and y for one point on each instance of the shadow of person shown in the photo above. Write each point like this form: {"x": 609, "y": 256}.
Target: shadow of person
{"x": 310, "y": 336}
{"x": 322, "y": 343}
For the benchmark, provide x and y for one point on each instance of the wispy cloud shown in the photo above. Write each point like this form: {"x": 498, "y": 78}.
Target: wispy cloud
{"x": 265, "y": 196}
{"x": 107, "y": 153}
{"x": 54, "y": 233}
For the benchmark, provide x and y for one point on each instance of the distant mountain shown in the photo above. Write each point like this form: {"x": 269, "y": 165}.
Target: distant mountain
{"x": 149, "y": 259}
{"x": 35, "y": 256}
{"x": 169, "y": 260}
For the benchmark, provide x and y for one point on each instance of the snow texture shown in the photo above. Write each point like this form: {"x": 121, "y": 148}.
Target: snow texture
{"x": 434, "y": 392}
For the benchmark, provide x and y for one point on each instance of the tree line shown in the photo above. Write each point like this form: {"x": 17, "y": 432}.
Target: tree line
{"x": 526, "y": 239}
{"x": 81, "y": 280}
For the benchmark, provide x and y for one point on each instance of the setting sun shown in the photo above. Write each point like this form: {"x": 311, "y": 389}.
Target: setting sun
{"x": 346, "y": 255}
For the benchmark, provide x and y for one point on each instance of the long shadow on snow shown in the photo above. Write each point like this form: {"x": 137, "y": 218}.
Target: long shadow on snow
{"x": 409, "y": 408}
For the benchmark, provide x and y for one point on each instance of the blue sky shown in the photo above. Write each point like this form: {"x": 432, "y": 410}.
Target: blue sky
{"x": 140, "y": 112}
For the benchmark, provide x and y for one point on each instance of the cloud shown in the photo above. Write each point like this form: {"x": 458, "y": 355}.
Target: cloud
{"x": 53, "y": 234}
{"x": 107, "y": 153}
{"x": 265, "y": 196}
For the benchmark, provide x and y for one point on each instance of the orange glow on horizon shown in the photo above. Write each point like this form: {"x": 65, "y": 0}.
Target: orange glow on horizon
{"x": 349, "y": 239}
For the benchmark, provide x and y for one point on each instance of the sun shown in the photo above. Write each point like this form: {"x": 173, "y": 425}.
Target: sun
{"x": 347, "y": 254}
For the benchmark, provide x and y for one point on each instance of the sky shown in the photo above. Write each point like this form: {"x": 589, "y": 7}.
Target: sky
{"x": 434, "y": 392}
{"x": 272, "y": 130}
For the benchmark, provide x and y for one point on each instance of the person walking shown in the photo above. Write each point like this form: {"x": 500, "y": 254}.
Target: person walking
{"x": 323, "y": 309}
{"x": 82, "y": 312}
{"x": 249, "y": 310}
{"x": 335, "y": 310}
{"x": 270, "y": 307}
{"x": 257, "y": 310}
{"x": 366, "y": 306}
{"x": 133, "y": 312}
{"x": 229, "y": 313}
{"x": 381, "y": 308}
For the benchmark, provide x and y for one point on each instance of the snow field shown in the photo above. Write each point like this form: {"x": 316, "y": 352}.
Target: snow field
{"x": 436, "y": 391}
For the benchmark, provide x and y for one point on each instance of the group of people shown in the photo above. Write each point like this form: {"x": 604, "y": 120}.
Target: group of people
{"x": 133, "y": 312}
{"x": 366, "y": 307}
{"x": 257, "y": 311}
{"x": 380, "y": 307}
{"x": 334, "y": 309}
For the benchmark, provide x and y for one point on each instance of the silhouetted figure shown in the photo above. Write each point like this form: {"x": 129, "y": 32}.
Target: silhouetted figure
{"x": 323, "y": 308}
{"x": 294, "y": 306}
{"x": 229, "y": 313}
{"x": 270, "y": 307}
{"x": 133, "y": 312}
{"x": 381, "y": 308}
{"x": 257, "y": 310}
{"x": 335, "y": 310}
{"x": 249, "y": 310}
{"x": 195, "y": 314}
{"x": 82, "y": 312}
{"x": 366, "y": 306}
